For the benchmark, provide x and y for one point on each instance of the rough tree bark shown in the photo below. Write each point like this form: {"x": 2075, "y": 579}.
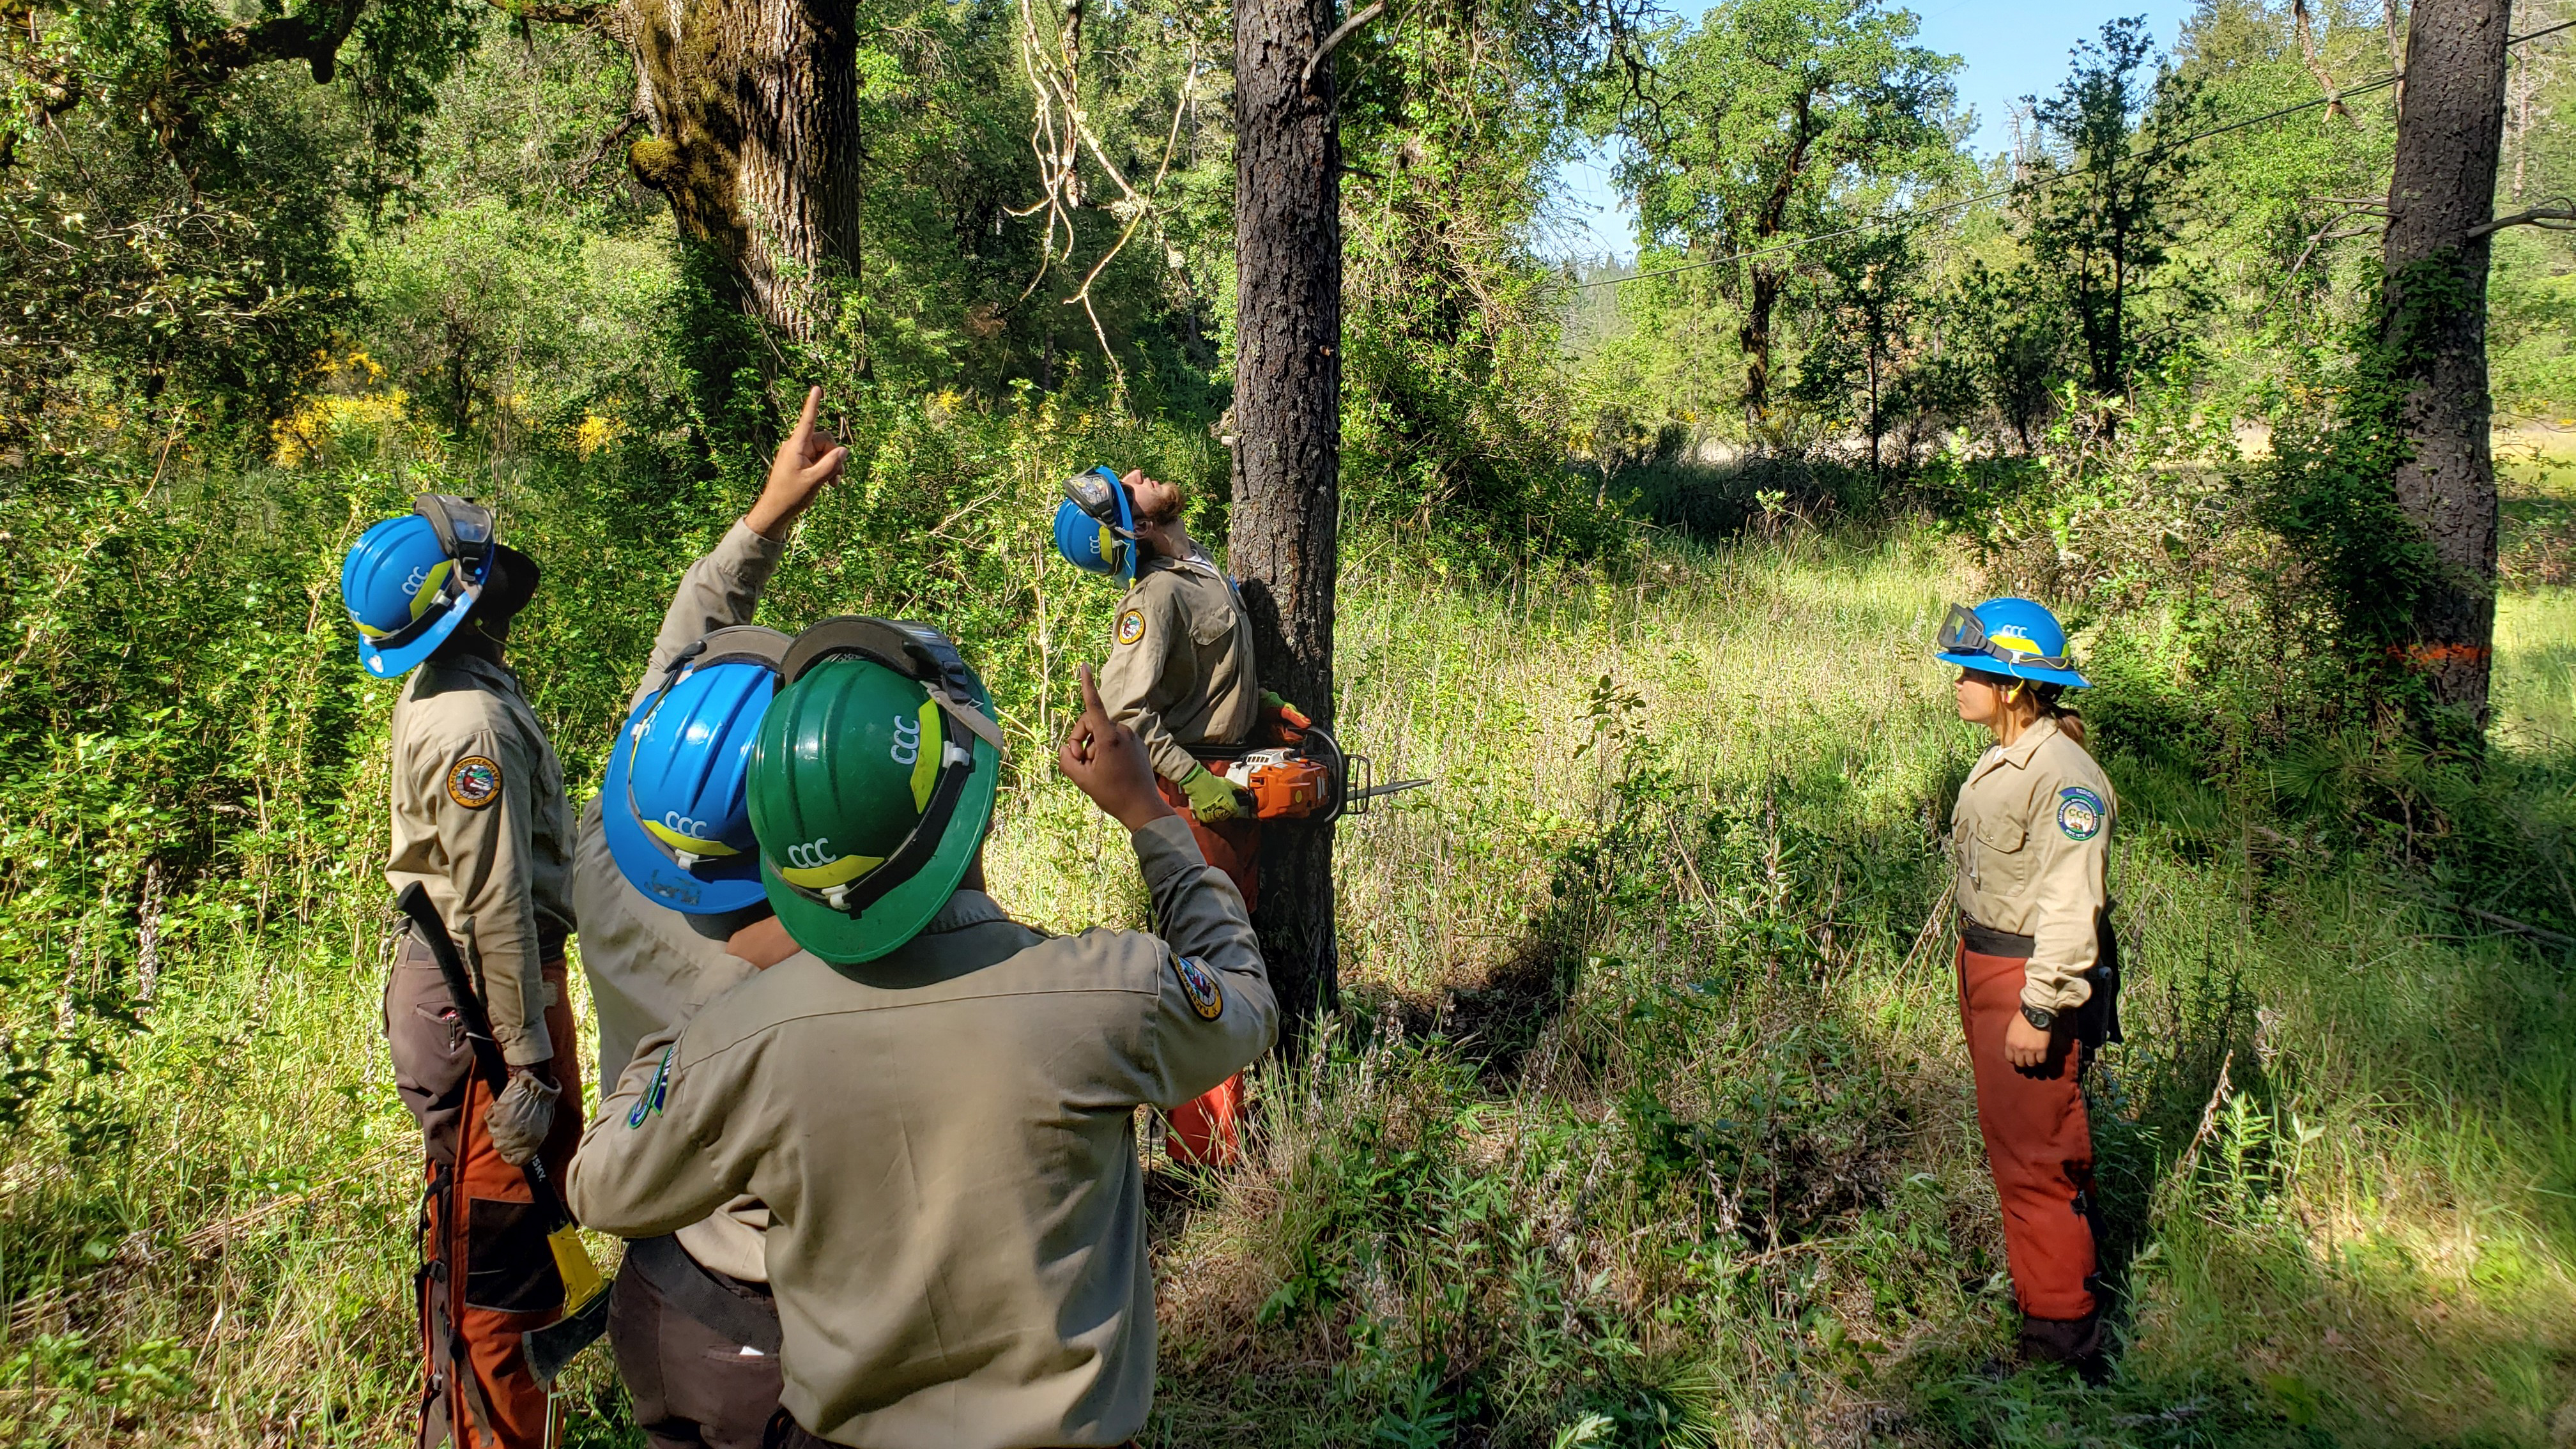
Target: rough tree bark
{"x": 754, "y": 111}
{"x": 2440, "y": 201}
{"x": 1285, "y": 540}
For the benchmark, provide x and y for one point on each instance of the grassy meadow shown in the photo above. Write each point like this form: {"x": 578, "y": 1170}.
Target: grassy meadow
{"x": 1644, "y": 1121}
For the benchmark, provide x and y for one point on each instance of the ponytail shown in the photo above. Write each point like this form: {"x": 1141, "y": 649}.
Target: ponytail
{"x": 2069, "y": 723}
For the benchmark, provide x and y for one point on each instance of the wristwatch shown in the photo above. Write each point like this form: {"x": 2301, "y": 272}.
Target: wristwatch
{"x": 2044, "y": 1020}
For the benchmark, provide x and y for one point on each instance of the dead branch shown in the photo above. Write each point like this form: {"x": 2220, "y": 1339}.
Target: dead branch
{"x": 2334, "y": 228}
{"x": 2391, "y": 16}
{"x": 2208, "y": 1120}
{"x": 2316, "y": 66}
{"x": 1341, "y": 32}
{"x": 1936, "y": 926}
{"x": 598, "y": 153}
{"x": 2561, "y": 217}
{"x": 2520, "y": 928}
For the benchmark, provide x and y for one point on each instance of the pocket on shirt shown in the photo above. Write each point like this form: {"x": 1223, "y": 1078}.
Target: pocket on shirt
{"x": 2003, "y": 861}
{"x": 1210, "y": 626}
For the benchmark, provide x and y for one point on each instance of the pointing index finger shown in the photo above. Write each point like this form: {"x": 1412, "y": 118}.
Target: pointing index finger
{"x": 805, "y": 420}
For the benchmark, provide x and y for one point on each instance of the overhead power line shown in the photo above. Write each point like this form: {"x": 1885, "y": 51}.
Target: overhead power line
{"x": 1927, "y": 212}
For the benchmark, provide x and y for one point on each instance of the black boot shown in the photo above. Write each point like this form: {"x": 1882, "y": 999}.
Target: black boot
{"x": 2075, "y": 1342}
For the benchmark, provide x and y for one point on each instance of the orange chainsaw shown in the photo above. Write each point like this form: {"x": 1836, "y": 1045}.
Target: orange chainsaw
{"x": 1310, "y": 777}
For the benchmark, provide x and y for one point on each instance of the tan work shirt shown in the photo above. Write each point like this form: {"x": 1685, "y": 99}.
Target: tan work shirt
{"x": 648, "y": 969}
{"x": 2032, "y": 840}
{"x": 946, "y": 1139}
{"x": 478, "y": 820}
{"x": 1180, "y": 669}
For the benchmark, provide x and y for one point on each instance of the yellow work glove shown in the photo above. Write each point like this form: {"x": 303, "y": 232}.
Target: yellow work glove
{"x": 1213, "y": 797}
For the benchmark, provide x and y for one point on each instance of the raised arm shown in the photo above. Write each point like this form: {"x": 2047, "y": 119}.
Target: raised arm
{"x": 724, "y": 587}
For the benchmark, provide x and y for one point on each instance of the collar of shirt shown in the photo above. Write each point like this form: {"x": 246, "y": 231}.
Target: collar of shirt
{"x": 965, "y": 908}
{"x": 1198, "y": 561}
{"x": 2018, "y": 753}
{"x": 484, "y": 671}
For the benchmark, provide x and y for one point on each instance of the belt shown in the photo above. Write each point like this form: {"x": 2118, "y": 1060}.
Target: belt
{"x": 1985, "y": 940}
{"x": 745, "y": 1313}
{"x": 550, "y": 942}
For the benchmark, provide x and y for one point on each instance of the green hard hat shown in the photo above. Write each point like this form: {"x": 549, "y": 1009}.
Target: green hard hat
{"x": 871, "y": 782}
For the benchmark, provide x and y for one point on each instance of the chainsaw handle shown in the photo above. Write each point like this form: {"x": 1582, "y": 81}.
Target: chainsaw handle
{"x": 1318, "y": 740}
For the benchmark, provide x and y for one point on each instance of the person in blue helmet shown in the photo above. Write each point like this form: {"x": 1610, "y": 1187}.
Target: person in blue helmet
{"x": 1182, "y": 675}
{"x": 2038, "y": 964}
{"x": 478, "y": 823}
{"x": 667, "y": 882}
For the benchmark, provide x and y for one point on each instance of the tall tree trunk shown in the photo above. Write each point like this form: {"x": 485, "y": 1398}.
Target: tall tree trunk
{"x": 2439, "y": 202}
{"x": 1754, "y": 336}
{"x": 754, "y": 110}
{"x": 1285, "y": 543}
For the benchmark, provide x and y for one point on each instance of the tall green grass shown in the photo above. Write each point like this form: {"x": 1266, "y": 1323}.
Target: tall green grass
{"x": 1645, "y": 1121}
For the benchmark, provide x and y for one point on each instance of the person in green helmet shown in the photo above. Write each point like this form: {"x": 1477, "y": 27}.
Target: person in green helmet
{"x": 935, "y": 1101}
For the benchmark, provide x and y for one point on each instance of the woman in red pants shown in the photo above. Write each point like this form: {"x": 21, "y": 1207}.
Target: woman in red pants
{"x": 2031, "y": 838}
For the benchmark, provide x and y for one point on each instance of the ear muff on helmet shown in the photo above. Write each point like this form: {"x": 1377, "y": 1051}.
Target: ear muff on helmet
{"x": 409, "y": 582}
{"x": 1095, "y": 525}
{"x": 673, "y": 803}
{"x": 872, "y": 783}
{"x": 916, "y": 651}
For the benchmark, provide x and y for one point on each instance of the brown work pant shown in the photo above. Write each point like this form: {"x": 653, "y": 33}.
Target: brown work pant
{"x": 694, "y": 1388}
{"x": 1203, "y": 1130}
{"x": 2039, "y": 1144}
{"x": 487, "y": 1274}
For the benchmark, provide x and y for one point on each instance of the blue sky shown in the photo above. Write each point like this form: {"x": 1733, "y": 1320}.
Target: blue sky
{"x": 2012, "y": 48}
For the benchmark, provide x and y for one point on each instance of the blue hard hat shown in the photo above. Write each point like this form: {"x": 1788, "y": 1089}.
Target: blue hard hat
{"x": 672, "y": 804}
{"x": 409, "y": 582}
{"x": 2010, "y": 636}
{"x": 1095, "y": 525}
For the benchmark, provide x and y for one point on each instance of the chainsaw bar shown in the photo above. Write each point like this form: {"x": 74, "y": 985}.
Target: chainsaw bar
{"x": 1392, "y": 787}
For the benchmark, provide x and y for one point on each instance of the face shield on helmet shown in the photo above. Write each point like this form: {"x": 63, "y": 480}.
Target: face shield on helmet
{"x": 871, "y": 783}
{"x": 674, "y": 805}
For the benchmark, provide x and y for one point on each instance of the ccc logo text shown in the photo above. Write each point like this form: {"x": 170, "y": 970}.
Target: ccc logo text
{"x": 679, "y": 824}
{"x": 812, "y": 854}
{"x": 907, "y": 740}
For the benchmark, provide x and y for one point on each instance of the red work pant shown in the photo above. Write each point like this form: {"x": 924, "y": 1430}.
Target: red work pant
{"x": 487, "y": 1274}
{"x": 2038, "y": 1142}
{"x": 1203, "y": 1131}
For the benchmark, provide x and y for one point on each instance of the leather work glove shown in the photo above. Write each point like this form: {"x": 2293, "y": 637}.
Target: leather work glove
{"x": 519, "y": 1119}
{"x": 1213, "y": 797}
{"x": 1289, "y": 712}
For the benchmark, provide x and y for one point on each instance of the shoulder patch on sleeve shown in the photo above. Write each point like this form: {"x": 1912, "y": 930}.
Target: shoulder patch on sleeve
{"x": 1131, "y": 625}
{"x": 655, "y": 1092}
{"x": 474, "y": 781}
{"x": 2080, "y": 813}
{"x": 1199, "y": 984}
